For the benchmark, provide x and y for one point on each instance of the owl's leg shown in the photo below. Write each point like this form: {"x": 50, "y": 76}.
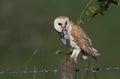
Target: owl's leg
{"x": 75, "y": 54}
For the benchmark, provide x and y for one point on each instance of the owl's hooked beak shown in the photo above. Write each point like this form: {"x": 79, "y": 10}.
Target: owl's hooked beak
{"x": 64, "y": 29}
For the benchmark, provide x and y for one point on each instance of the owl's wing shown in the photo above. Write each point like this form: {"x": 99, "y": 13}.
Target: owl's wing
{"x": 81, "y": 39}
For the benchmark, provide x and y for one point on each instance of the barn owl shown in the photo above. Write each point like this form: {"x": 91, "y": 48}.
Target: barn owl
{"x": 73, "y": 35}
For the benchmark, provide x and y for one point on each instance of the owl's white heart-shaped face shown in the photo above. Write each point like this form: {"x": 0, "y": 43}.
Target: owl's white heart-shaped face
{"x": 61, "y": 23}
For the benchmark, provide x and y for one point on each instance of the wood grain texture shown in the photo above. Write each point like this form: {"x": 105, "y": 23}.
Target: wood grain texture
{"x": 68, "y": 68}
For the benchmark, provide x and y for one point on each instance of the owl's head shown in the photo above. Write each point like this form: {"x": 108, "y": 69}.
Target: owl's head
{"x": 61, "y": 23}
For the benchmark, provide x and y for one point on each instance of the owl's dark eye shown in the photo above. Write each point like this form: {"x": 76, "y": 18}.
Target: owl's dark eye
{"x": 59, "y": 24}
{"x": 65, "y": 23}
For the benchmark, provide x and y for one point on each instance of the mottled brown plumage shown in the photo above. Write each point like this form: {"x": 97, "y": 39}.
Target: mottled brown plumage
{"x": 81, "y": 39}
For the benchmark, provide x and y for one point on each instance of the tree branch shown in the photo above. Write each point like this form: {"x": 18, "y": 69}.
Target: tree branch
{"x": 87, "y": 5}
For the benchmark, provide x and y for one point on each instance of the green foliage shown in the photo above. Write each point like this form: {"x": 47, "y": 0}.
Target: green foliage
{"x": 92, "y": 10}
{"x": 87, "y": 12}
{"x": 58, "y": 52}
{"x": 80, "y": 22}
{"x": 104, "y": 5}
{"x": 68, "y": 52}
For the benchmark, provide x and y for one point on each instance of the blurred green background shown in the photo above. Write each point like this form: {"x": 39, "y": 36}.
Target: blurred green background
{"x": 27, "y": 25}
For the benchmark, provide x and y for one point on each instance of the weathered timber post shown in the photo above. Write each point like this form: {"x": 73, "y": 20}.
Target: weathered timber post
{"x": 68, "y": 68}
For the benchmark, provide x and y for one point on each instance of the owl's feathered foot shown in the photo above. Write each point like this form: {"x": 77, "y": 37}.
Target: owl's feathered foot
{"x": 75, "y": 54}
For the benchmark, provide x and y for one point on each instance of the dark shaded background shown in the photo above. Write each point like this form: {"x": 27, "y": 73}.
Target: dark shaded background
{"x": 27, "y": 25}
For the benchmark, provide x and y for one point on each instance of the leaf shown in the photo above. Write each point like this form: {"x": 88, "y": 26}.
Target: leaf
{"x": 69, "y": 52}
{"x": 92, "y": 9}
{"x": 80, "y": 22}
{"x": 87, "y": 12}
{"x": 58, "y": 52}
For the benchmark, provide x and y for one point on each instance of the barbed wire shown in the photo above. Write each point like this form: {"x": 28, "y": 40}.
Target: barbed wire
{"x": 93, "y": 69}
{"x": 35, "y": 71}
{"x": 28, "y": 72}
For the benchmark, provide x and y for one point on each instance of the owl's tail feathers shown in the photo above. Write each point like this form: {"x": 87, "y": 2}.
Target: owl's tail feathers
{"x": 95, "y": 52}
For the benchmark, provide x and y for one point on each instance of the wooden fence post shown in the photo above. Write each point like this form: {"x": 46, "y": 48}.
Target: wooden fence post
{"x": 68, "y": 68}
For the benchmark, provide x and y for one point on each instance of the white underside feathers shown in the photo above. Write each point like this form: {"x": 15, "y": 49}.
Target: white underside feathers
{"x": 85, "y": 57}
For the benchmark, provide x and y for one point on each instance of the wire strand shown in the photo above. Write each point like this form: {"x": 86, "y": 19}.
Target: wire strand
{"x": 93, "y": 69}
